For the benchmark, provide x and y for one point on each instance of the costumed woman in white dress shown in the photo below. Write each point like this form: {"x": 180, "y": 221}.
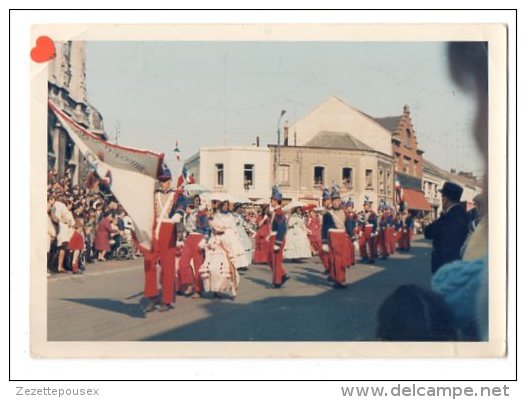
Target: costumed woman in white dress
{"x": 297, "y": 245}
{"x": 218, "y": 272}
{"x": 232, "y": 240}
{"x": 241, "y": 228}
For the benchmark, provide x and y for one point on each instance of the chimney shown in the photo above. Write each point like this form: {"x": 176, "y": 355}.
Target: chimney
{"x": 295, "y": 137}
{"x": 453, "y": 171}
{"x": 257, "y": 141}
{"x": 286, "y": 134}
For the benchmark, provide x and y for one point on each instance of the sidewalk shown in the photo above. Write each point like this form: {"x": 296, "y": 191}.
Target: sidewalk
{"x": 99, "y": 268}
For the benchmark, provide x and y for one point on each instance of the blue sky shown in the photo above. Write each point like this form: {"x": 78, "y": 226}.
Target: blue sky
{"x": 213, "y": 93}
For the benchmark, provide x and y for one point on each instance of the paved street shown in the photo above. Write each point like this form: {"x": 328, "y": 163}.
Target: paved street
{"x": 103, "y": 304}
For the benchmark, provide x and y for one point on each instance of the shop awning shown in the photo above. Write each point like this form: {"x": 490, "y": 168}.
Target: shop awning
{"x": 416, "y": 200}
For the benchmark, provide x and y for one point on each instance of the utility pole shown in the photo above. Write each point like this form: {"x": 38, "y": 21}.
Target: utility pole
{"x": 277, "y": 155}
{"x": 117, "y": 131}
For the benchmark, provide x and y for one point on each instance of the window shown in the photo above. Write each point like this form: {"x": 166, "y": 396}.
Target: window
{"x": 407, "y": 165}
{"x": 347, "y": 177}
{"x": 284, "y": 174}
{"x": 248, "y": 176}
{"x": 319, "y": 173}
{"x": 381, "y": 181}
{"x": 389, "y": 182}
{"x": 368, "y": 178}
{"x": 416, "y": 167}
{"x": 220, "y": 175}
{"x": 407, "y": 138}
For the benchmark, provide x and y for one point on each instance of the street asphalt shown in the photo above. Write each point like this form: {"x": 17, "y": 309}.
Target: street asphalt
{"x": 104, "y": 303}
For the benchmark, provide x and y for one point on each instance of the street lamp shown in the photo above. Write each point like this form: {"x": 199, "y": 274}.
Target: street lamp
{"x": 276, "y": 156}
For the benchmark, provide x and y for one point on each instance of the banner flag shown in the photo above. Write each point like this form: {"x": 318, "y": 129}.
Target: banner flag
{"x": 131, "y": 173}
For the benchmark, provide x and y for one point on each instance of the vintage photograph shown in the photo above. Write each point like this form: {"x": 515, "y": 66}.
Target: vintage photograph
{"x": 319, "y": 191}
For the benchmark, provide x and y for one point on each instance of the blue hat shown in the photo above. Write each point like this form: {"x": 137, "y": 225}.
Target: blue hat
{"x": 326, "y": 195}
{"x": 350, "y": 202}
{"x": 452, "y": 191}
{"x": 165, "y": 173}
{"x": 276, "y": 194}
{"x": 335, "y": 194}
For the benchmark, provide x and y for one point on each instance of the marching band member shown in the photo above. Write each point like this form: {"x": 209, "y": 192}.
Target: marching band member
{"x": 384, "y": 235}
{"x": 198, "y": 232}
{"x": 326, "y": 204}
{"x": 369, "y": 224}
{"x": 352, "y": 233}
{"x": 407, "y": 231}
{"x": 334, "y": 239}
{"x": 169, "y": 210}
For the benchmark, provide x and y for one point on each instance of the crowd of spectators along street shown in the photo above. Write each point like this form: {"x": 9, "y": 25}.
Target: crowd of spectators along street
{"x": 84, "y": 225}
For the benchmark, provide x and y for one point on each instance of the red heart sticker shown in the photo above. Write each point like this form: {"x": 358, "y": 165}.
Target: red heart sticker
{"x": 44, "y": 50}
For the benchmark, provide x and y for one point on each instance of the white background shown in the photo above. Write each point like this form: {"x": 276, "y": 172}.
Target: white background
{"x": 23, "y": 367}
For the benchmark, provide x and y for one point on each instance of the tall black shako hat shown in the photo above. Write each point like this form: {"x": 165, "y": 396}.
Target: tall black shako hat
{"x": 452, "y": 191}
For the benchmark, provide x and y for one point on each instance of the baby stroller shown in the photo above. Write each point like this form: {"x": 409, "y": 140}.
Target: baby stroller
{"x": 125, "y": 251}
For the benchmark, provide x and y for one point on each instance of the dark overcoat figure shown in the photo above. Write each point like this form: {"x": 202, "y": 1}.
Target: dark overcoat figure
{"x": 448, "y": 233}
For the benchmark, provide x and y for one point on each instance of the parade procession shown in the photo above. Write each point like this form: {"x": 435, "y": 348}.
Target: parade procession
{"x": 337, "y": 230}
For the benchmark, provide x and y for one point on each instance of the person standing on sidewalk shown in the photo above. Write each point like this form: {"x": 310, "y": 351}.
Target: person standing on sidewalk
{"x": 449, "y": 232}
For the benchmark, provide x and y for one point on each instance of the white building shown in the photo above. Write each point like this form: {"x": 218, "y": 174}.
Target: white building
{"x": 434, "y": 178}
{"x": 244, "y": 171}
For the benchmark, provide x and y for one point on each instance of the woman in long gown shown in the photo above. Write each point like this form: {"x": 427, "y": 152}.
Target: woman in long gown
{"x": 218, "y": 272}
{"x": 314, "y": 232}
{"x": 261, "y": 248}
{"x": 241, "y": 229}
{"x": 297, "y": 245}
{"x": 233, "y": 242}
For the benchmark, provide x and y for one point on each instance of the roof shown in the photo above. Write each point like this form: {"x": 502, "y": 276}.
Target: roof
{"x": 435, "y": 169}
{"x": 337, "y": 140}
{"x": 389, "y": 123}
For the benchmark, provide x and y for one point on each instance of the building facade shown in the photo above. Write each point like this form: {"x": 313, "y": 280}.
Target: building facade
{"x": 408, "y": 162}
{"x": 242, "y": 171}
{"x": 331, "y": 158}
{"x": 432, "y": 180}
{"x": 67, "y": 89}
